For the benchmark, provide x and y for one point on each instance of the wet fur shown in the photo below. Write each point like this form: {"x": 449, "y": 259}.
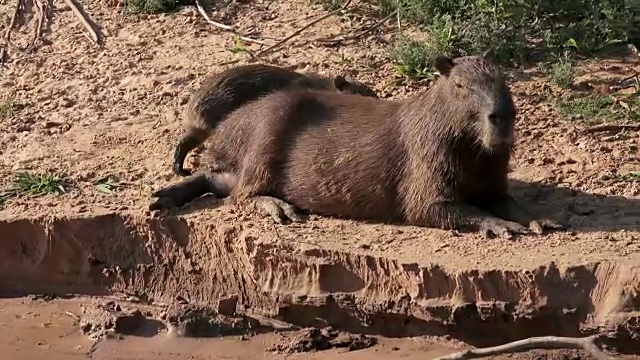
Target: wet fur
{"x": 437, "y": 159}
{"x": 224, "y": 92}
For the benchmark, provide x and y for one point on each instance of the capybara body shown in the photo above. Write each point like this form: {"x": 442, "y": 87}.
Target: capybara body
{"x": 438, "y": 159}
{"x": 224, "y": 92}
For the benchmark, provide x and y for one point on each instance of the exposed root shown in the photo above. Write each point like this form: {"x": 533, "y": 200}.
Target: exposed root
{"x": 610, "y": 127}
{"x": 40, "y": 17}
{"x": 84, "y": 20}
{"x": 297, "y": 32}
{"x": 225, "y": 27}
{"x": 358, "y": 33}
{"x": 7, "y": 36}
{"x": 555, "y": 342}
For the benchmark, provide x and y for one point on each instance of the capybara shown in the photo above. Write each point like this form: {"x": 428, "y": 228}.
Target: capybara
{"x": 437, "y": 159}
{"x": 224, "y": 92}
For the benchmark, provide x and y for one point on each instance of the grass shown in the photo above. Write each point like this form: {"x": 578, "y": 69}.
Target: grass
{"x": 632, "y": 176}
{"x": 563, "y": 72}
{"x": 153, "y": 6}
{"x": 516, "y": 30}
{"x": 8, "y": 108}
{"x": 30, "y": 185}
{"x": 600, "y": 108}
{"x": 238, "y": 45}
{"x": 414, "y": 59}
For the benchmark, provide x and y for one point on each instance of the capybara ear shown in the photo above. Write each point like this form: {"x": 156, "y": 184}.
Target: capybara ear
{"x": 489, "y": 55}
{"x": 444, "y": 65}
{"x": 340, "y": 82}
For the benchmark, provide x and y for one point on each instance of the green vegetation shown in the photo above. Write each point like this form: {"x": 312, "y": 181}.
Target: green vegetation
{"x": 153, "y": 6}
{"x": 600, "y": 108}
{"x": 106, "y": 185}
{"x": 632, "y": 176}
{"x": 26, "y": 184}
{"x": 562, "y": 72}
{"x": 329, "y": 5}
{"x": 8, "y": 108}
{"x": 238, "y": 45}
{"x": 515, "y": 30}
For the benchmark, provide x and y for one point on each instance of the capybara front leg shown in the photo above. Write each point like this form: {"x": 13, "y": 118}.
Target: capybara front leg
{"x": 279, "y": 210}
{"x": 506, "y": 207}
{"x": 448, "y": 215}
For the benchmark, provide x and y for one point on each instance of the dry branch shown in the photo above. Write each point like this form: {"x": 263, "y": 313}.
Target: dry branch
{"x": 544, "y": 342}
{"x": 297, "y": 32}
{"x": 7, "y": 36}
{"x": 357, "y": 35}
{"x": 84, "y": 20}
{"x": 225, "y": 27}
{"x": 612, "y": 127}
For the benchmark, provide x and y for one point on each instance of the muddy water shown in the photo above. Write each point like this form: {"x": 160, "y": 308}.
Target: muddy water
{"x": 39, "y": 330}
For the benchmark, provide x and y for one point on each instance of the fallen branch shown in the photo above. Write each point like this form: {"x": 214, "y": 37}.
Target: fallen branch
{"x": 84, "y": 20}
{"x": 608, "y": 127}
{"x": 586, "y": 343}
{"x": 7, "y": 36}
{"x": 339, "y": 39}
{"x": 297, "y": 32}
{"x": 225, "y": 27}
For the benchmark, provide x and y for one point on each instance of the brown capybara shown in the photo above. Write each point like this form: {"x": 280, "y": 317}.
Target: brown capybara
{"x": 438, "y": 159}
{"x": 224, "y": 92}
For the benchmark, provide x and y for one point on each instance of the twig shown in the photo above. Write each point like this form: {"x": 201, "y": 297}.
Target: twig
{"x": 7, "y": 35}
{"x": 225, "y": 27}
{"x": 72, "y": 315}
{"x": 84, "y": 20}
{"x": 295, "y": 33}
{"x": 585, "y": 343}
{"x": 337, "y": 40}
{"x": 608, "y": 127}
{"x": 93, "y": 348}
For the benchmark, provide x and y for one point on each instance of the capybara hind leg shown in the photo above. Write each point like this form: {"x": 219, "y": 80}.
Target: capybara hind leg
{"x": 183, "y": 192}
{"x": 506, "y": 207}
{"x": 188, "y": 142}
{"x": 279, "y": 210}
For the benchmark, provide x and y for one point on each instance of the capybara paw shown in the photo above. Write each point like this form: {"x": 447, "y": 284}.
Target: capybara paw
{"x": 501, "y": 228}
{"x": 162, "y": 203}
{"x": 538, "y": 226}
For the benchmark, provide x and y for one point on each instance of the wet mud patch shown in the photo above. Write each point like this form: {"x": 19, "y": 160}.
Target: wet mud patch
{"x": 313, "y": 339}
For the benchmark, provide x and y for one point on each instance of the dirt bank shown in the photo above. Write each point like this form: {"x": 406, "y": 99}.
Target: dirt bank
{"x": 307, "y": 277}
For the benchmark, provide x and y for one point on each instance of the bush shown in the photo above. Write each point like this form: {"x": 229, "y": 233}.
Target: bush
{"x": 517, "y": 29}
{"x": 562, "y": 72}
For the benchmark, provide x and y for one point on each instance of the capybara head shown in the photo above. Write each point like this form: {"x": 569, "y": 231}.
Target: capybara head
{"x": 348, "y": 84}
{"x": 477, "y": 88}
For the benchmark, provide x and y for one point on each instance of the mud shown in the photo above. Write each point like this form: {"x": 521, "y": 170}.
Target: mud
{"x": 109, "y": 319}
{"x": 201, "y": 321}
{"x": 302, "y": 277}
{"x": 312, "y": 339}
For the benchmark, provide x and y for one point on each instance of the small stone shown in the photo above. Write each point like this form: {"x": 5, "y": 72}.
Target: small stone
{"x": 66, "y": 102}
